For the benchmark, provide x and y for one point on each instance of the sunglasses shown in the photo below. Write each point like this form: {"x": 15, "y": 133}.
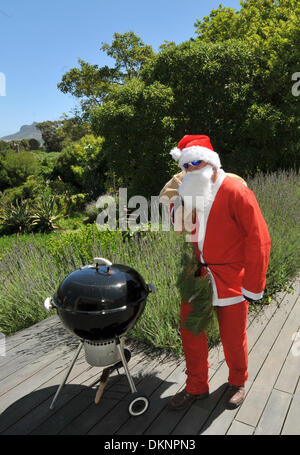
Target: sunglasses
{"x": 193, "y": 163}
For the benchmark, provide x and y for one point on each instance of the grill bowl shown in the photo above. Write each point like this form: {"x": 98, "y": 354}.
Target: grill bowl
{"x": 98, "y": 303}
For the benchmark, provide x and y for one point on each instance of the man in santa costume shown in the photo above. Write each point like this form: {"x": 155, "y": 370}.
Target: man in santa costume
{"x": 232, "y": 244}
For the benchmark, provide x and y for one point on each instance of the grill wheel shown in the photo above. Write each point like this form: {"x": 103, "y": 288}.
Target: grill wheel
{"x": 138, "y": 405}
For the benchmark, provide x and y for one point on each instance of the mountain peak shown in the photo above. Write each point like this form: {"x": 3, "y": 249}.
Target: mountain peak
{"x": 25, "y": 132}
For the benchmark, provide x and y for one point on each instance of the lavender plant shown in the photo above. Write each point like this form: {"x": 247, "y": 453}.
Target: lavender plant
{"x": 32, "y": 271}
{"x": 278, "y": 195}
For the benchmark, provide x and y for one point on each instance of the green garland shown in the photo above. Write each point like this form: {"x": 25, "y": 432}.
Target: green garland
{"x": 196, "y": 290}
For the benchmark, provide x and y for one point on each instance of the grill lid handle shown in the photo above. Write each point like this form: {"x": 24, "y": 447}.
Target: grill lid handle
{"x": 104, "y": 261}
{"x": 48, "y": 304}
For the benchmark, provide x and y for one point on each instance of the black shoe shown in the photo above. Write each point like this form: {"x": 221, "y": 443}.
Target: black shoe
{"x": 183, "y": 399}
{"x": 235, "y": 396}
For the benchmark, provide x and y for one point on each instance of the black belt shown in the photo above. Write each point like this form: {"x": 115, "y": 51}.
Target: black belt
{"x": 205, "y": 264}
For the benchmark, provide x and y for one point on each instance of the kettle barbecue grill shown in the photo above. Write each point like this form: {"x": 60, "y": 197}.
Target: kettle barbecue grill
{"x": 100, "y": 303}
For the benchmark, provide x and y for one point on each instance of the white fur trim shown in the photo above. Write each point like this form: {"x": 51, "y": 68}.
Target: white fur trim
{"x": 198, "y": 153}
{"x": 176, "y": 153}
{"x": 252, "y": 295}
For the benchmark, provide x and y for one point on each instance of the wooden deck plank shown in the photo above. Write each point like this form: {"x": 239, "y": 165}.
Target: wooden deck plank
{"x": 290, "y": 372}
{"x": 292, "y": 422}
{"x": 117, "y": 414}
{"x": 13, "y": 341}
{"x": 152, "y": 381}
{"x": 274, "y": 414}
{"x": 33, "y": 334}
{"x": 29, "y": 384}
{"x": 167, "y": 420}
{"x": 61, "y": 373}
{"x": 30, "y": 351}
{"x": 238, "y": 428}
{"x": 81, "y": 377}
{"x": 26, "y": 425}
{"x": 44, "y": 392}
{"x": 164, "y": 384}
{"x": 268, "y": 336}
{"x": 51, "y": 425}
{"x": 40, "y": 412}
{"x": 28, "y": 374}
{"x": 257, "y": 397}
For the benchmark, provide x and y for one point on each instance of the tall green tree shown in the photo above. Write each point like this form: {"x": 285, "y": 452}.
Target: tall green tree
{"x": 272, "y": 29}
{"x": 17, "y": 167}
{"x": 82, "y": 163}
{"x": 51, "y": 135}
{"x": 136, "y": 124}
{"x": 130, "y": 54}
{"x": 92, "y": 84}
{"x": 195, "y": 88}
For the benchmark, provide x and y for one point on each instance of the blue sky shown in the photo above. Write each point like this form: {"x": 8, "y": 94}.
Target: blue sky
{"x": 41, "y": 40}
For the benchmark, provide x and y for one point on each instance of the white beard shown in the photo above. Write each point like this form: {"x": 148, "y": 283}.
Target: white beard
{"x": 196, "y": 188}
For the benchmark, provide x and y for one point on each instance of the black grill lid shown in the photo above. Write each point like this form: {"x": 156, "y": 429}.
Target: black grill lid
{"x": 96, "y": 287}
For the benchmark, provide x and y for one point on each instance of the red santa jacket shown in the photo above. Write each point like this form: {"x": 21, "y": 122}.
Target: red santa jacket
{"x": 236, "y": 242}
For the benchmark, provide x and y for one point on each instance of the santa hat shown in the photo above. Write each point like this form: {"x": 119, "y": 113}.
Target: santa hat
{"x": 195, "y": 147}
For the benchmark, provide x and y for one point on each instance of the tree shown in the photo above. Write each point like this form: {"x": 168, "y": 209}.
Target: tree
{"x": 34, "y": 144}
{"x": 262, "y": 22}
{"x": 130, "y": 54}
{"x": 271, "y": 29}
{"x": 136, "y": 124}
{"x": 4, "y": 178}
{"x": 92, "y": 84}
{"x": 51, "y": 135}
{"x": 89, "y": 83}
{"x": 194, "y": 88}
{"x": 18, "y": 166}
{"x": 82, "y": 164}
{"x": 73, "y": 129}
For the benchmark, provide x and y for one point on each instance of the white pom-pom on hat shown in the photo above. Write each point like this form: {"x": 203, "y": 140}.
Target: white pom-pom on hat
{"x": 175, "y": 153}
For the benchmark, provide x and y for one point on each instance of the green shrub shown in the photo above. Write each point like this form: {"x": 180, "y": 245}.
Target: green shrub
{"x": 45, "y": 214}
{"x": 19, "y": 166}
{"x": 91, "y": 211}
{"x": 15, "y": 217}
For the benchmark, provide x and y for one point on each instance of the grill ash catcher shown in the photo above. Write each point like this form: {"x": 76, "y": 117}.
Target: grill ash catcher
{"x": 100, "y": 303}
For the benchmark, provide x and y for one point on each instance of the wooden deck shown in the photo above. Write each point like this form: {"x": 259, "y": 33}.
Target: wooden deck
{"x": 37, "y": 358}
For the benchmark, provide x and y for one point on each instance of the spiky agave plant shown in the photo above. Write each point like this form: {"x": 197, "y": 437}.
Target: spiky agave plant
{"x": 45, "y": 214}
{"x": 197, "y": 291}
{"x": 16, "y": 216}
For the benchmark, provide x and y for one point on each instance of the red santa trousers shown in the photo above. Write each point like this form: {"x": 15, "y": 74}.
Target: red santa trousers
{"x": 232, "y": 321}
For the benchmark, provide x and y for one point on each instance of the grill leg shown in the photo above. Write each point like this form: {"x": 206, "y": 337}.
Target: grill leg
{"x": 131, "y": 383}
{"x": 67, "y": 374}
